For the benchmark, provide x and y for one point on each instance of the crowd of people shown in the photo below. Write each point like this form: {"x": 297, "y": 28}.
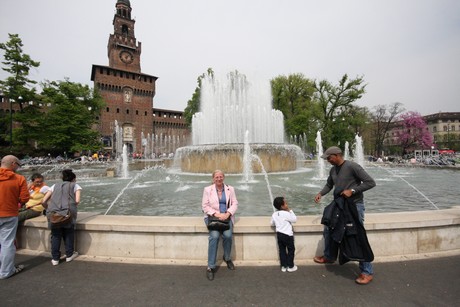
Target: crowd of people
{"x": 344, "y": 233}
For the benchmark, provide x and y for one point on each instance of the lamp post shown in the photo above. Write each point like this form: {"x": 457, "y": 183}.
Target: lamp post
{"x": 11, "y": 123}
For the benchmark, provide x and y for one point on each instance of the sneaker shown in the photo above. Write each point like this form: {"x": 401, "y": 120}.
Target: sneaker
{"x": 54, "y": 262}
{"x": 293, "y": 269}
{"x": 74, "y": 255}
{"x": 364, "y": 279}
{"x": 283, "y": 269}
{"x": 18, "y": 269}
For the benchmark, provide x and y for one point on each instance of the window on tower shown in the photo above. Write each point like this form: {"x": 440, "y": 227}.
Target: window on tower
{"x": 124, "y": 29}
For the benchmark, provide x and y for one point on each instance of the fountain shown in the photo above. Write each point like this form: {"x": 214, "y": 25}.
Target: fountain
{"x": 346, "y": 154}
{"x": 124, "y": 162}
{"x": 230, "y": 108}
{"x": 358, "y": 151}
{"x": 321, "y": 165}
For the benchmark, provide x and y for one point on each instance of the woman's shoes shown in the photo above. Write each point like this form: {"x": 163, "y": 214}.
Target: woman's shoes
{"x": 210, "y": 274}
{"x": 230, "y": 265}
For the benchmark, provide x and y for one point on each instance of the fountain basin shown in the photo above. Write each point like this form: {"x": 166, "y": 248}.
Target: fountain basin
{"x": 229, "y": 158}
{"x": 184, "y": 240}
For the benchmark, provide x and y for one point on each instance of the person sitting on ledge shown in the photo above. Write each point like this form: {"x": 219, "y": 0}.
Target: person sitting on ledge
{"x": 37, "y": 189}
{"x": 219, "y": 200}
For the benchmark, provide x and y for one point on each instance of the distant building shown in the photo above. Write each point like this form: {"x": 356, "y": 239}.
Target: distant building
{"x": 444, "y": 126}
{"x": 128, "y": 94}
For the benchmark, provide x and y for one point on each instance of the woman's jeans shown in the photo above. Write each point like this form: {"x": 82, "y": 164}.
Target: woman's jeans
{"x": 57, "y": 234}
{"x": 214, "y": 236}
{"x": 365, "y": 267}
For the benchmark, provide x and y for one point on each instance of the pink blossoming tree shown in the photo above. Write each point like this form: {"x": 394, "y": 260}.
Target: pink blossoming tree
{"x": 414, "y": 132}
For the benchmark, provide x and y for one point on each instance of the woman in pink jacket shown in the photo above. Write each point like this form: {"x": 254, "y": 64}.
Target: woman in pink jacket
{"x": 219, "y": 200}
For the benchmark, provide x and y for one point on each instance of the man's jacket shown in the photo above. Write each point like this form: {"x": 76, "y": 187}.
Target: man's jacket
{"x": 347, "y": 234}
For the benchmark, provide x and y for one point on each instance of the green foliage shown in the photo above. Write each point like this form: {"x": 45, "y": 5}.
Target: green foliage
{"x": 292, "y": 95}
{"x": 193, "y": 105}
{"x": 18, "y": 65}
{"x": 71, "y": 111}
{"x": 16, "y": 87}
{"x": 335, "y": 107}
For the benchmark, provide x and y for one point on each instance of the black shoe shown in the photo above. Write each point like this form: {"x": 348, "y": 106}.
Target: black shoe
{"x": 210, "y": 274}
{"x": 230, "y": 265}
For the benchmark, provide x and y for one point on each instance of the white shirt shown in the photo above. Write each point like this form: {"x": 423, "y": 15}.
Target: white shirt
{"x": 283, "y": 220}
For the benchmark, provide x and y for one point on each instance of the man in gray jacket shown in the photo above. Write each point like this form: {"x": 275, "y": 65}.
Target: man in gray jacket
{"x": 350, "y": 178}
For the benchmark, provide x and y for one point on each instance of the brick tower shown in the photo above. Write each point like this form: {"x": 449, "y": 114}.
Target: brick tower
{"x": 127, "y": 92}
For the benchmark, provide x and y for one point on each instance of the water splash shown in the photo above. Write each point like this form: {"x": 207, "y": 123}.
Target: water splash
{"x": 321, "y": 165}
{"x": 346, "y": 154}
{"x": 124, "y": 163}
{"x": 256, "y": 158}
{"x": 358, "y": 152}
{"x": 247, "y": 161}
{"x": 235, "y": 105}
{"x": 142, "y": 173}
{"x": 411, "y": 185}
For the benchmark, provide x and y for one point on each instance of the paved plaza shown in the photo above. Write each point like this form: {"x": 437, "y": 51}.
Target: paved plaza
{"x": 433, "y": 281}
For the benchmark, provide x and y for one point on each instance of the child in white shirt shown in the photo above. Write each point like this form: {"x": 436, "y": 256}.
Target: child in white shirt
{"x": 282, "y": 219}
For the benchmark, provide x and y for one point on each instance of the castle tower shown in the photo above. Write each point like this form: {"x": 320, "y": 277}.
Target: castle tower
{"x": 127, "y": 92}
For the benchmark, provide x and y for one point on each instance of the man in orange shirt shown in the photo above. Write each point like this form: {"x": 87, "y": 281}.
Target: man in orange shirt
{"x": 13, "y": 190}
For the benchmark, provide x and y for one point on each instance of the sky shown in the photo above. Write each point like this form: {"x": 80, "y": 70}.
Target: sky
{"x": 406, "y": 51}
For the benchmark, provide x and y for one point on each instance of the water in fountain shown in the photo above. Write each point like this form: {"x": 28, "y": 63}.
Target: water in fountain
{"x": 247, "y": 160}
{"x": 358, "y": 152}
{"x": 346, "y": 154}
{"x": 270, "y": 194}
{"x": 321, "y": 165}
{"x": 124, "y": 163}
{"x": 169, "y": 192}
{"x": 118, "y": 140}
{"x": 229, "y": 107}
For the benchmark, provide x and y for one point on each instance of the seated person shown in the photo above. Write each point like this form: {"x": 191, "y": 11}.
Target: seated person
{"x": 37, "y": 189}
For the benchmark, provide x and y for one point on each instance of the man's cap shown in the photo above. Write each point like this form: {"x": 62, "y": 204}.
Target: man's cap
{"x": 334, "y": 150}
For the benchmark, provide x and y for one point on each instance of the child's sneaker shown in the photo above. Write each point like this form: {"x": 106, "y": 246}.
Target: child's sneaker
{"x": 74, "y": 255}
{"x": 283, "y": 269}
{"x": 293, "y": 269}
{"x": 54, "y": 262}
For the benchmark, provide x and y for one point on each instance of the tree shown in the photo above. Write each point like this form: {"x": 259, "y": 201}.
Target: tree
{"x": 16, "y": 87}
{"x": 193, "y": 105}
{"x": 292, "y": 95}
{"x": 382, "y": 118}
{"x": 414, "y": 132}
{"x": 334, "y": 103}
{"x": 67, "y": 123}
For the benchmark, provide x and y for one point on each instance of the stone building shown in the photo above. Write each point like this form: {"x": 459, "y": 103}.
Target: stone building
{"x": 170, "y": 131}
{"x": 127, "y": 92}
{"x": 443, "y": 126}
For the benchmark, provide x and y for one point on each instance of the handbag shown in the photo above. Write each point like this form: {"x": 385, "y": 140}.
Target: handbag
{"x": 215, "y": 224}
{"x": 58, "y": 220}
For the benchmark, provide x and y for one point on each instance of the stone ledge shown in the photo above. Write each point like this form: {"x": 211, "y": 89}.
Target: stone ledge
{"x": 183, "y": 240}
{"x": 257, "y": 224}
